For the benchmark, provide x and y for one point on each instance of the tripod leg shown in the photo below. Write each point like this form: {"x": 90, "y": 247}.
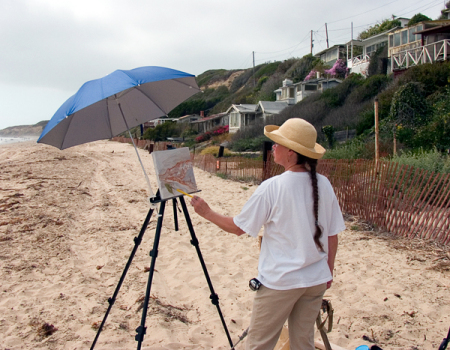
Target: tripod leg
{"x": 175, "y": 214}
{"x": 194, "y": 241}
{"x": 153, "y": 253}
{"x": 111, "y": 301}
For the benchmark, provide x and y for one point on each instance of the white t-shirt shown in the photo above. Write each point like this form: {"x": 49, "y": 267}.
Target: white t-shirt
{"x": 289, "y": 257}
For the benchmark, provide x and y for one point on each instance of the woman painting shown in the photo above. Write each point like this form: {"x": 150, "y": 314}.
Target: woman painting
{"x": 301, "y": 219}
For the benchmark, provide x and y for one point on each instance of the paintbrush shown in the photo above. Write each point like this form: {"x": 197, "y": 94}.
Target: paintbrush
{"x": 186, "y": 194}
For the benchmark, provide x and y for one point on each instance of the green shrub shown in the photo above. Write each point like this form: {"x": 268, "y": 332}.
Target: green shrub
{"x": 431, "y": 160}
{"x": 254, "y": 144}
{"x": 214, "y": 150}
{"x": 162, "y": 132}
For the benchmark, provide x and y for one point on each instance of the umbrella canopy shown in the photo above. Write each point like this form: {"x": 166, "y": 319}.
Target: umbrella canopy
{"x": 106, "y": 107}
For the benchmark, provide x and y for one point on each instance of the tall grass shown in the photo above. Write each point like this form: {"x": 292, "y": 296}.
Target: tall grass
{"x": 429, "y": 160}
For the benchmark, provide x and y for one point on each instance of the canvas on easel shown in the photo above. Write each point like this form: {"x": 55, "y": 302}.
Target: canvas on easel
{"x": 174, "y": 171}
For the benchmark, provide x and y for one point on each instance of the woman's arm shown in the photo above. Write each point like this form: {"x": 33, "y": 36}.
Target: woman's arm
{"x": 332, "y": 250}
{"x": 226, "y": 223}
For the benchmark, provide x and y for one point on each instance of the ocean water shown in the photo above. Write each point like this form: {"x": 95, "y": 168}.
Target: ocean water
{"x": 6, "y": 140}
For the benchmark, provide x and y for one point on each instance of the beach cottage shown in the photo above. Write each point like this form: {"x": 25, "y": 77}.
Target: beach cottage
{"x": 293, "y": 93}
{"x": 424, "y": 42}
{"x": 359, "y": 64}
{"x": 208, "y": 123}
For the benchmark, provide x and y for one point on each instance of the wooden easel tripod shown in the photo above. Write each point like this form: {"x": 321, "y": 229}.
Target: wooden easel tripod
{"x": 141, "y": 330}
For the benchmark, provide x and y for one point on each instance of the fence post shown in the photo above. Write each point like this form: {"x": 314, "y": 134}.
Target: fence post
{"x": 267, "y": 148}
{"x": 377, "y": 150}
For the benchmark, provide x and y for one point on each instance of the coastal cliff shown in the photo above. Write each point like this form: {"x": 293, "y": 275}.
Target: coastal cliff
{"x": 24, "y": 130}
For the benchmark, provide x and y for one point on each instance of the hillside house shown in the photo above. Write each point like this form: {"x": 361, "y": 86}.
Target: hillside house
{"x": 155, "y": 122}
{"x": 208, "y": 123}
{"x": 294, "y": 93}
{"x": 331, "y": 55}
{"x": 240, "y": 116}
{"x": 360, "y": 64}
{"x": 425, "y": 42}
{"x": 188, "y": 118}
{"x": 244, "y": 115}
{"x": 267, "y": 109}
{"x": 287, "y": 92}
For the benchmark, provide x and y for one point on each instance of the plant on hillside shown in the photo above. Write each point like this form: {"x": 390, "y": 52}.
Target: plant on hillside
{"x": 162, "y": 132}
{"x": 339, "y": 69}
{"x": 379, "y": 28}
{"x": 431, "y": 160}
{"x": 379, "y": 62}
{"x": 418, "y": 18}
{"x": 319, "y": 67}
{"x": 311, "y": 75}
{"x": 214, "y": 150}
{"x": 214, "y": 132}
{"x": 328, "y": 131}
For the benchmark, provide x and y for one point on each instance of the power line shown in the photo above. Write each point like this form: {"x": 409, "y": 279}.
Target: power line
{"x": 295, "y": 48}
{"x": 362, "y": 13}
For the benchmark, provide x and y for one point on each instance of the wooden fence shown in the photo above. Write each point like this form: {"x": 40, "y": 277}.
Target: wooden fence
{"x": 401, "y": 199}
{"x": 236, "y": 168}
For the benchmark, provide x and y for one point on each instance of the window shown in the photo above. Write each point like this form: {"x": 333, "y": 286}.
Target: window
{"x": 291, "y": 92}
{"x": 332, "y": 55}
{"x": 412, "y": 37}
{"x": 310, "y": 87}
{"x": 397, "y": 39}
{"x": 391, "y": 40}
{"x": 404, "y": 37}
{"x": 234, "y": 119}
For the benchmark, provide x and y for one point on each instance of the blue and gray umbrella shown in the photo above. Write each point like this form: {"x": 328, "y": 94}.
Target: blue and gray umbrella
{"x": 106, "y": 107}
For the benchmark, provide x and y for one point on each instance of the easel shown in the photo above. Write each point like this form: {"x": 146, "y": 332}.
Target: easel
{"x": 141, "y": 330}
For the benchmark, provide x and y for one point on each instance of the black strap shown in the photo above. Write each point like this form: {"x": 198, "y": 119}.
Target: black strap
{"x": 445, "y": 342}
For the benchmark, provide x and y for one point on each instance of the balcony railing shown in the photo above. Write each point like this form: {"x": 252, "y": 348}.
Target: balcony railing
{"x": 438, "y": 51}
{"x": 355, "y": 61}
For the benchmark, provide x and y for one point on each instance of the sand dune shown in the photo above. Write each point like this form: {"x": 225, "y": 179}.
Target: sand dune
{"x": 68, "y": 220}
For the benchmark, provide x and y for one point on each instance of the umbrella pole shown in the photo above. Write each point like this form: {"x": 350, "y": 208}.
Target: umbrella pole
{"x": 137, "y": 153}
{"x": 142, "y": 165}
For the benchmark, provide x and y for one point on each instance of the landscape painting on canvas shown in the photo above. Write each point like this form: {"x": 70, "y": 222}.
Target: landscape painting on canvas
{"x": 174, "y": 171}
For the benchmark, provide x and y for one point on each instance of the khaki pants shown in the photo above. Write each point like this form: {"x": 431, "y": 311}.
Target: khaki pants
{"x": 271, "y": 309}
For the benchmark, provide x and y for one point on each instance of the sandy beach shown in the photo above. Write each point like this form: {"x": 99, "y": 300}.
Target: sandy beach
{"x": 68, "y": 220}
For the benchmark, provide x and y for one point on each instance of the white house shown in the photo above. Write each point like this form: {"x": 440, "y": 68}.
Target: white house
{"x": 266, "y": 109}
{"x": 424, "y": 42}
{"x": 360, "y": 63}
{"x": 240, "y": 116}
{"x": 205, "y": 124}
{"x": 244, "y": 115}
{"x": 294, "y": 93}
{"x": 188, "y": 118}
{"x": 331, "y": 55}
{"x": 287, "y": 92}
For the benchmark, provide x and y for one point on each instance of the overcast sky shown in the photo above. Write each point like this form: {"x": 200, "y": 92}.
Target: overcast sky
{"x": 49, "y": 48}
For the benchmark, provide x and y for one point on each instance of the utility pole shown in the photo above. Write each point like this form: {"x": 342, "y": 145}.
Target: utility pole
{"x": 352, "y": 43}
{"x": 326, "y": 32}
{"x": 254, "y": 81}
{"x": 312, "y": 45}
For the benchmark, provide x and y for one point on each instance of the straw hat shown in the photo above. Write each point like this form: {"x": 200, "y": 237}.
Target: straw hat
{"x": 298, "y": 135}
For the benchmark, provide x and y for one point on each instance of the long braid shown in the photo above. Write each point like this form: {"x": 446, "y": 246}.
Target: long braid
{"x": 312, "y": 163}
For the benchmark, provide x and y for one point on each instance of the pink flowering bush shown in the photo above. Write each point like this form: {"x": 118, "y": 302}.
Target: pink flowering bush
{"x": 339, "y": 69}
{"x": 214, "y": 132}
{"x": 311, "y": 75}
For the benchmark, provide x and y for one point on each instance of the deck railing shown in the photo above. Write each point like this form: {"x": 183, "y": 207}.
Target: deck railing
{"x": 438, "y": 51}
